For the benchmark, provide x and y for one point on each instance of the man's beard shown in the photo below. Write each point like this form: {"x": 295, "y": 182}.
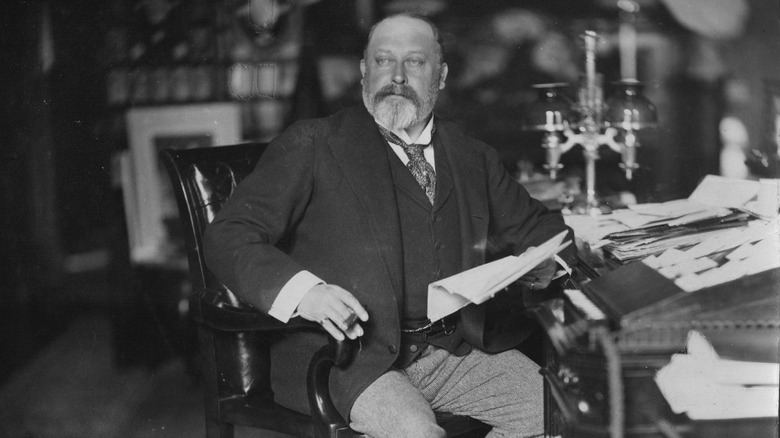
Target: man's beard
{"x": 407, "y": 108}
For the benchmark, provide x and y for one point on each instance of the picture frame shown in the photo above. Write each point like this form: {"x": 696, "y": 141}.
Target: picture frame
{"x": 150, "y": 206}
{"x": 763, "y": 160}
{"x": 772, "y": 117}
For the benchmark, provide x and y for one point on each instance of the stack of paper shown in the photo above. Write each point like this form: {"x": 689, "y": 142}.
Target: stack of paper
{"x": 626, "y": 250}
{"x": 728, "y": 256}
{"x": 706, "y": 387}
{"x": 479, "y": 284}
{"x": 710, "y": 213}
{"x": 714, "y": 198}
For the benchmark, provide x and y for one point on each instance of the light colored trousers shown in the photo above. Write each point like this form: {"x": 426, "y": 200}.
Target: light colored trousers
{"x": 503, "y": 390}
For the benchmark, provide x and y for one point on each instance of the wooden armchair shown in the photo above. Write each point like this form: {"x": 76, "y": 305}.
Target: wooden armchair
{"x": 234, "y": 338}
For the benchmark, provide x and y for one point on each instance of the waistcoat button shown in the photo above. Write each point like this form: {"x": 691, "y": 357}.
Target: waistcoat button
{"x": 413, "y": 348}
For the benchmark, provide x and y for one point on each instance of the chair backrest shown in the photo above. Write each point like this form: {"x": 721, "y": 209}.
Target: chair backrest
{"x": 203, "y": 179}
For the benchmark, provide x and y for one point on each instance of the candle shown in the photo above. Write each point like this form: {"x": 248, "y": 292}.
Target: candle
{"x": 627, "y": 38}
{"x": 590, "y": 68}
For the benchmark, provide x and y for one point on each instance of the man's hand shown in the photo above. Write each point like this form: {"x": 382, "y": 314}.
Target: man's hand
{"x": 335, "y": 309}
{"x": 540, "y": 276}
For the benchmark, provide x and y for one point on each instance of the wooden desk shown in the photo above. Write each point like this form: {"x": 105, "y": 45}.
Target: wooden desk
{"x": 600, "y": 379}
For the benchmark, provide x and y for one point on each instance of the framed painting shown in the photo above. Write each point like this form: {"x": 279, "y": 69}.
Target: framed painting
{"x": 152, "y": 215}
{"x": 763, "y": 160}
{"x": 772, "y": 117}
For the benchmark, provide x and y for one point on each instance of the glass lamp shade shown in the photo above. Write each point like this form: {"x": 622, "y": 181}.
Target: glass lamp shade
{"x": 550, "y": 111}
{"x": 628, "y": 108}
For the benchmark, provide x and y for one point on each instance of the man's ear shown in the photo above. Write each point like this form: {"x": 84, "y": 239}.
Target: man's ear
{"x": 443, "y": 76}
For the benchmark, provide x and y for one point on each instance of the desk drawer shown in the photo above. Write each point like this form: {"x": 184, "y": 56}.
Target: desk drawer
{"x": 579, "y": 386}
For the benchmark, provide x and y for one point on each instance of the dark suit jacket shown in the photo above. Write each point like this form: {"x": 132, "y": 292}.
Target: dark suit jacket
{"x": 322, "y": 199}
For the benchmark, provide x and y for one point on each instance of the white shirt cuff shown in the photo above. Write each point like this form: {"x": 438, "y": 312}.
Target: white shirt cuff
{"x": 292, "y": 293}
{"x": 566, "y": 269}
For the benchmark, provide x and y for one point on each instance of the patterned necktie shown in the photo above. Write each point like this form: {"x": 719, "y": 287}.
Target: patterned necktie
{"x": 420, "y": 167}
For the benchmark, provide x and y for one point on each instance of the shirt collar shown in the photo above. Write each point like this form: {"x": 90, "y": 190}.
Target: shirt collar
{"x": 424, "y": 138}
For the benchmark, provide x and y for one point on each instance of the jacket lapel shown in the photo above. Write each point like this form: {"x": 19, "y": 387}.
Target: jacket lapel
{"x": 360, "y": 151}
{"x": 468, "y": 178}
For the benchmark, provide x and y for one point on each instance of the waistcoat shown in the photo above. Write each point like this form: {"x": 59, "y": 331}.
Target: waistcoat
{"x": 431, "y": 246}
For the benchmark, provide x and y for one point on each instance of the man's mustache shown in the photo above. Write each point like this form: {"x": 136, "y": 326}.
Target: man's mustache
{"x": 397, "y": 90}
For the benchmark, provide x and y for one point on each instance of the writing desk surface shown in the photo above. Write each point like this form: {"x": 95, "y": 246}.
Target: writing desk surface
{"x": 741, "y": 320}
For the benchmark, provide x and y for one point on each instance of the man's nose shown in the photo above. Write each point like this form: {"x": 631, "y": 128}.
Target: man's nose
{"x": 399, "y": 73}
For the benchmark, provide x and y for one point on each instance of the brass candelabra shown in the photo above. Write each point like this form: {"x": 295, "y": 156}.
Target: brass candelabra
{"x": 591, "y": 121}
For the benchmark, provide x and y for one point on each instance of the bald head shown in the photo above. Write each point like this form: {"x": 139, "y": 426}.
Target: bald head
{"x": 407, "y": 19}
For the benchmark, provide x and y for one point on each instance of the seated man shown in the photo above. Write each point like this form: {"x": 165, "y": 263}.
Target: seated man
{"x": 345, "y": 222}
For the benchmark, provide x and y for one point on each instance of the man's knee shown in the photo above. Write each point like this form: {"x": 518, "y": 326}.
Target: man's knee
{"x": 395, "y": 421}
{"x": 392, "y": 407}
{"x": 418, "y": 429}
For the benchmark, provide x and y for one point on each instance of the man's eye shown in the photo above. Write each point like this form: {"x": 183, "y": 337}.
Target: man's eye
{"x": 382, "y": 61}
{"x": 415, "y": 62}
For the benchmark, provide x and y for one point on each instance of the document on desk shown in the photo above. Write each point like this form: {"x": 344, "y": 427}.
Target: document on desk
{"x": 709, "y": 199}
{"x": 732, "y": 254}
{"x": 714, "y": 197}
{"x": 481, "y": 283}
{"x": 721, "y": 191}
{"x": 717, "y": 202}
{"x": 706, "y": 387}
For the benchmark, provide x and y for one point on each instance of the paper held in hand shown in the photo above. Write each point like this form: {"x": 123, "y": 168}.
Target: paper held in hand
{"x": 479, "y": 284}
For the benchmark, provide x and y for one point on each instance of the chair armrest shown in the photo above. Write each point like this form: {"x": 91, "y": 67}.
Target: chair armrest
{"x": 225, "y": 317}
{"x": 327, "y": 420}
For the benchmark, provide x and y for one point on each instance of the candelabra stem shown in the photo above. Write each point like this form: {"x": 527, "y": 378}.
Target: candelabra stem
{"x": 590, "y": 180}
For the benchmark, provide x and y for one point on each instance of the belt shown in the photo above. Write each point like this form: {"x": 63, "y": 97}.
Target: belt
{"x": 445, "y": 325}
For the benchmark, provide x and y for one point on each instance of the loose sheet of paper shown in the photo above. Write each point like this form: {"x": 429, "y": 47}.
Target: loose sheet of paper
{"x": 706, "y": 387}
{"x": 479, "y": 284}
{"x": 721, "y": 191}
